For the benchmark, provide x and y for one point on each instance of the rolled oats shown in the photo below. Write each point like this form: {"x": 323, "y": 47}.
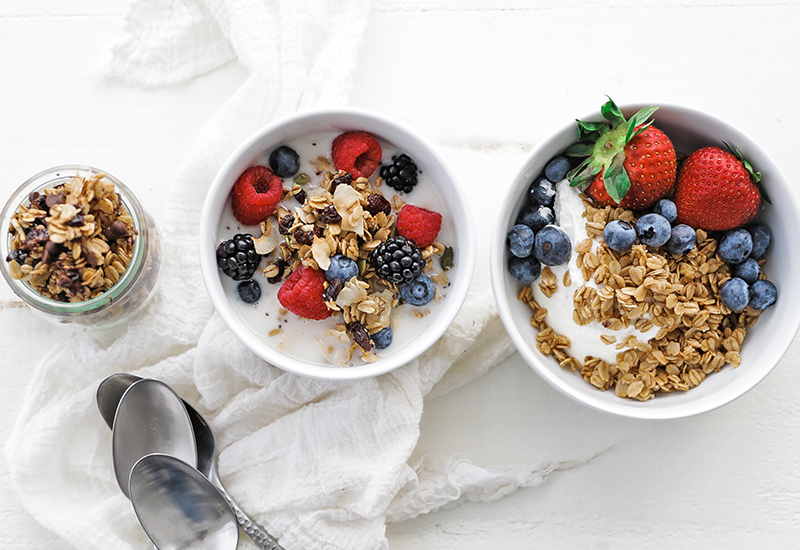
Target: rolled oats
{"x": 697, "y": 334}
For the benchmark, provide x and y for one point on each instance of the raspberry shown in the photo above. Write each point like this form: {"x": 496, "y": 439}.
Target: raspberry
{"x": 418, "y": 224}
{"x": 356, "y": 152}
{"x": 302, "y": 292}
{"x": 256, "y": 194}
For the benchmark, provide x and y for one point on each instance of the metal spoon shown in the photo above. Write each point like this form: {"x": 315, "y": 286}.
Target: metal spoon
{"x": 108, "y": 397}
{"x": 178, "y": 506}
{"x": 150, "y": 418}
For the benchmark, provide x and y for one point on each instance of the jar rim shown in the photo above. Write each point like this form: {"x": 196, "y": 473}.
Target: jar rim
{"x": 42, "y": 180}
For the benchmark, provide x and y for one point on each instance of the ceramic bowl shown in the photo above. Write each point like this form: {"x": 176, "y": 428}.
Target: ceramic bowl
{"x": 412, "y": 336}
{"x": 765, "y": 344}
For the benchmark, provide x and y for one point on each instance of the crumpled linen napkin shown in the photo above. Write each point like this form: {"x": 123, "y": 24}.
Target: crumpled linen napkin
{"x": 319, "y": 464}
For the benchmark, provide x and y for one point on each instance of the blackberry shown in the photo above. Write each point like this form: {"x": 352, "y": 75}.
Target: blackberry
{"x": 237, "y": 257}
{"x": 401, "y": 174}
{"x": 398, "y": 260}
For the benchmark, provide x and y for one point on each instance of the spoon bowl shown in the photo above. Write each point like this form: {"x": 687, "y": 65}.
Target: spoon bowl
{"x": 150, "y": 418}
{"x": 109, "y": 394}
{"x": 178, "y": 506}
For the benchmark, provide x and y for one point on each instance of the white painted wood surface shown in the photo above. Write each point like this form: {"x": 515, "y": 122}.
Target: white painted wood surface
{"x": 485, "y": 81}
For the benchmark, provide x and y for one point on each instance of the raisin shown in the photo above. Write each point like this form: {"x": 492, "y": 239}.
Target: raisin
{"x": 303, "y": 237}
{"x": 285, "y": 224}
{"x": 300, "y": 196}
{"x": 360, "y": 335}
{"x": 35, "y": 238}
{"x": 344, "y": 178}
{"x": 330, "y": 215}
{"x": 281, "y": 264}
{"x": 332, "y": 291}
{"x": 378, "y": 203}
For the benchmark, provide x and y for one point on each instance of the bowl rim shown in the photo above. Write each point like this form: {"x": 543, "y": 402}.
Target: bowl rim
{"x": 353, "y": 119}
{"x": 532, "y": 356}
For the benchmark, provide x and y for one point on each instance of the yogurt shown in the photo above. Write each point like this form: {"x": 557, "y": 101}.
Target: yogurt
{"x": 585, "y": 339}
{"x": 321, "y": 342}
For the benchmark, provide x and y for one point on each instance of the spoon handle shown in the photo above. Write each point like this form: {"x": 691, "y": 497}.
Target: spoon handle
{"x": 254, "y": 531}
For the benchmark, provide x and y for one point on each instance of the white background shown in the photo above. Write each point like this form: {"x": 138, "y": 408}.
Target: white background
{"x": 485, "y": 81}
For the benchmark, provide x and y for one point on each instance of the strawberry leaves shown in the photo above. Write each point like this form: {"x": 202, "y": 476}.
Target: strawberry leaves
{"x": 603, "y": 143}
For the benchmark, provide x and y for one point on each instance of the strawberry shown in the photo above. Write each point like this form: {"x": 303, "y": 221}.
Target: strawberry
{"x": 356, "y": 152}
{"x": 302, "y": 292}
{"x": 716, "y": 190}
{"x": 418, "y": 224}
{"x": 256, "y": 194}
{"x": 630, "y": 162}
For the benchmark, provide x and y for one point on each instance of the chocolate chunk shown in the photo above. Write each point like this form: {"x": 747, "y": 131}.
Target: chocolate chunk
{"x": 51, "y": 252}
{"x": 116, "y": 230}
{"x": 378, "y": 203}
{"x": 76, "y": 221}
{"x": 70, "y": 281}
{"x": 360, "y": 335}
{"x": 37, "y": 201}
{"x": 332, "y": 291}
{"x": 330, "y": 215}
{"x": 55, "y": 198}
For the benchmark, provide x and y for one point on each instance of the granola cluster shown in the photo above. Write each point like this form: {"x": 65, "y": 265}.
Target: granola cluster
{"x": 72, "y": 242}
{"x": 347, "y": 216}
{"x": 647, "y": 288}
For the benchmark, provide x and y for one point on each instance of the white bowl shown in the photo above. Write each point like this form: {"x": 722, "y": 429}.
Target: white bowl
{"x": 765, "y": 343}
{"x": 430, "y": 162}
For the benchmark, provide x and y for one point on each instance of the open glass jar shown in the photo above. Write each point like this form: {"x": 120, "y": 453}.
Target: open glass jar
{"x": 78, "y": 270}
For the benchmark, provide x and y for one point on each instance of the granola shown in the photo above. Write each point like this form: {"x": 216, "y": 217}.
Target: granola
{"x": 645, "y": 288}
{"x": 72, "y": 242}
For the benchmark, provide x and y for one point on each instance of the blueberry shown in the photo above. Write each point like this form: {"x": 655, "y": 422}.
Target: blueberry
{"x": 734, "y": 294}
{"x": 761, "y": 237}
{"x": 762, "y": 294}
{"x": 383, "y": 338}
{"x": 537, "y": 217}
{"x": 520, "y": 240}
{"x": 748, "y": 270}
{"x": 542, "y": 192}
{"x": 284, "y": 161}
{"x": 249, "y": 291}
{"x": 556, "y": 169}
{"x": 525, "y": 270}
{"x": 682, "y": 240}
{"x": 619, "y": 235}
{"x": 552, "y": 246}
{"x": 419, "y": 291}
{"x": 342, "y": 268}
{"x": 666, "y": 208}
{"x": 653, "y": 230}
{"x": 735, "y": 246}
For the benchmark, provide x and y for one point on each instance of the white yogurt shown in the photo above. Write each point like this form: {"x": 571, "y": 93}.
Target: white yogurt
{"x": 585, "y": 339}
{"x": 310, "y": 340}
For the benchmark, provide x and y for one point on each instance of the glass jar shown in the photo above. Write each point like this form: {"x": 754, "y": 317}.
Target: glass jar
{"x": 127, "y": 296}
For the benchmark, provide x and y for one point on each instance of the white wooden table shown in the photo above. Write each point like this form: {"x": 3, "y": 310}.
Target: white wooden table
{"x": 485, "y": 81}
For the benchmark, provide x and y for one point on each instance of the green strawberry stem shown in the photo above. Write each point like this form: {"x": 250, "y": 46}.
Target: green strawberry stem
{"x": 755, "y": 176}
{"x": 604, "y": 145}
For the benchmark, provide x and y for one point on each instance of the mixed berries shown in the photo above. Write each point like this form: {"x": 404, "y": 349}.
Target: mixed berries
{"x": 631, "y": 164}
{"x": 378, "y": 245}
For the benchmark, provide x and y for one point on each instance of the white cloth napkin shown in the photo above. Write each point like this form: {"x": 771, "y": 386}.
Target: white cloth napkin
{"x": 319, "y": 464}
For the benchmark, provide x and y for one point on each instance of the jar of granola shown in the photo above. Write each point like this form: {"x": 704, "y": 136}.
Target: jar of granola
{"x": 79, "y": 248}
